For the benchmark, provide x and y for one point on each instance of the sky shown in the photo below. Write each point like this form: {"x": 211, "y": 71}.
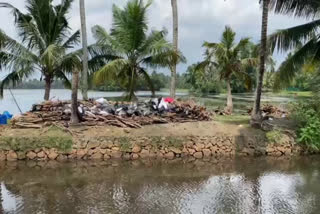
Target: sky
{"x": 199, "y": 21}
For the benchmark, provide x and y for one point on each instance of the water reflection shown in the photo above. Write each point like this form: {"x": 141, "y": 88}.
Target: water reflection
{"x": 231, "y": 186}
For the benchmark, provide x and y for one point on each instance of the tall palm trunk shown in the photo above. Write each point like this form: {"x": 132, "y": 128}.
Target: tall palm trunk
{"x": 256, "y": 117}
{"x": 1, "y": 199}
{"x": 132, "y": 96}
{"x": 229, "y": 108}
{"x": 85, "y": 51}
{"x": 75, "y": 119}
{"x": 48, "y": 82}
{"x": 175, "y": 46}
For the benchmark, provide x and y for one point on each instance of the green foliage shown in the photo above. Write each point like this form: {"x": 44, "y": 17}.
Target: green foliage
{"x": 62, "y": 143}
{"x": 43, "y": 45}
{"x": 53, "y": 137}
{"x": 310, "y": 134}
{"x": 125, "y": 144}
{"x": 303, "y": 39}
{"x": 159, "y": 81}
{"x": 227, "y": 58}
{"x": 131, "y": 50}
{"x": 202, "y": 82}
{"x": 274, "y": 136}
{"x": 307, "y": 115}
{"x": 229, "y": 61}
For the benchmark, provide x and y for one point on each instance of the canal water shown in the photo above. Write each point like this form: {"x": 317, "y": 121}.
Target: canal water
{"x": 261, "y": 185}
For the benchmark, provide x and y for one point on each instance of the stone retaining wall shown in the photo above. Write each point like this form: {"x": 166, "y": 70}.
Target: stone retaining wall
{"x": 105, "y": 148}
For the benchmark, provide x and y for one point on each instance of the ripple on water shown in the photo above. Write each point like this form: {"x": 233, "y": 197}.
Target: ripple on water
{"x": 260, "y": 186}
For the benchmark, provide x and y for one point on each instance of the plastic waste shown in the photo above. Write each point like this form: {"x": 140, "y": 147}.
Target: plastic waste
{"x": 7, "y": 114}
{"x": 5, "y": 117}
{"x": 102, "y": 101}
{"x": 104, "y": 113}
{"x": 169, "y": 100}
{"x": 162, "y": 105}
{"x": 155, "y": 103}
{"x": 3, "y": 120}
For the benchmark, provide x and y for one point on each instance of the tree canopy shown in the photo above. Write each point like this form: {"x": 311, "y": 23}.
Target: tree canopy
{"x": 131, "y": 49}
{"x": 44, "y": 44}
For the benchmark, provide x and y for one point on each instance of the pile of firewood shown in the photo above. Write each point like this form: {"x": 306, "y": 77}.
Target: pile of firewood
{"x": 271, "y": 110}
{"x": 125, "y": 115}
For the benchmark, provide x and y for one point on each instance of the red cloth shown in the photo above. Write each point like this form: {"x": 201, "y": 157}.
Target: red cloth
{"x": 169, "y": 100}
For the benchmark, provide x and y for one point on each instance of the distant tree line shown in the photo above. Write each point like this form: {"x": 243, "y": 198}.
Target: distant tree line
{"x": 35, "y": 84}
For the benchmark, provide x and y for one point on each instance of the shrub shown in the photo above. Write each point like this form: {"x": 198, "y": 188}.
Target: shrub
{"x": 274, "y": 136}
{"x": 307, "y": 115}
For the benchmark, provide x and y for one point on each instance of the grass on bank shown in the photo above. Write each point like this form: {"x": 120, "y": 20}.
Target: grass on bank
{"x": 53, "y": 137}
{"x": 297, "y": 94}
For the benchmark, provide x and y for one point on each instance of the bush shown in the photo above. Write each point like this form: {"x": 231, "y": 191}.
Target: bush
{"x": 307, "y": 115}
{"x": 274, "y": 136}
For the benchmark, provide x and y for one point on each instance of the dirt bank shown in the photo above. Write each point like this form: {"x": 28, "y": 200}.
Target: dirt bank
{"x": 197, "y": 140}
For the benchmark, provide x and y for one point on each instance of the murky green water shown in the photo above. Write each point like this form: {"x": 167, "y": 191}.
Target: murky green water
{"x": 229, "y": 186}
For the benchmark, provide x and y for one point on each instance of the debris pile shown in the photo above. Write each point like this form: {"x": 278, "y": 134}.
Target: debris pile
{"x": 271, "y": 110}
{"x": 102, "y": 112}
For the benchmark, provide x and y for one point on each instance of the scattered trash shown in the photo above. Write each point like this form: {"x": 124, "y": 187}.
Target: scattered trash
{"x": 3, "y": 120}
{"x": 102, "y": 101}
{"x": 7, "y": 114}
{"x": 169, "y": 100}
{"x": 5, "y": 117}
{"x": 121, "y": 114}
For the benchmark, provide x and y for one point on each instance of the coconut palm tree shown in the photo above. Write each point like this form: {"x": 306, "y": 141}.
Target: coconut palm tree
{"x": 175, "y": 45}
{"x": 1, "y": 199}
{"x": 75, "y": 118}
{"x": 85, "y": 51}
{"x": 227, "y": 58}
{"x": 44, "y": 42}
{"x": 130, "y": 49}
{"x": 256, "y": 116}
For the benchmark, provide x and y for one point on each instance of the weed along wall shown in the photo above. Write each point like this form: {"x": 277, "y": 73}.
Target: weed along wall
{"x": 61, "y": 146}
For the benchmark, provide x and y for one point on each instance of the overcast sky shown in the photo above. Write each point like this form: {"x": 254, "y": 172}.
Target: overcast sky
{"x": 200, "y": 20}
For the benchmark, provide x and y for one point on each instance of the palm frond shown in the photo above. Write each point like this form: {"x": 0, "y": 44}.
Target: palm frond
{"x": 50, "y": 56}
{"x": 66, "y": 81}
{"x": 130, "y": 24}
{"x": 166, "y": 58}
{"x": 146, "y": 76}
{"x": 305, "y": 8}
{"x": 154, "y": 43}
{"x": 73, "y": 40}
{"x": 68, "y": 63}
{"x": 106, "y": 41}
{"x": 14, "y": 78}
{"x": 242, "y": 45}
{"x": 291, "y": 38}
{"x": 293, "y": 64}
{"x": 110, "y": 70}
{"x": 228, "y": 37}
{"x": 27, "y": 29}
